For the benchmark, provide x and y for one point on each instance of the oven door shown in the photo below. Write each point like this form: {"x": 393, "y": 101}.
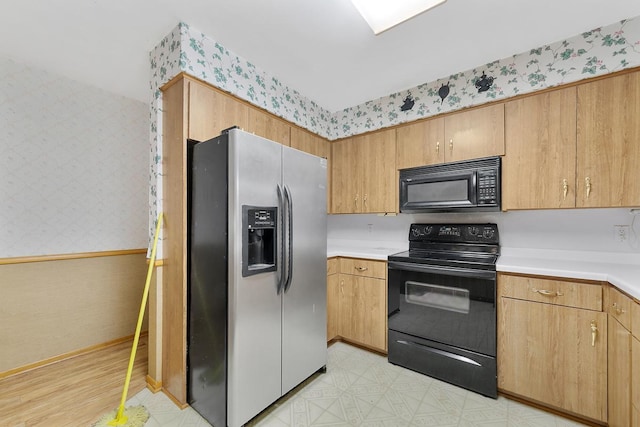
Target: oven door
{"x": 451, "y": 306}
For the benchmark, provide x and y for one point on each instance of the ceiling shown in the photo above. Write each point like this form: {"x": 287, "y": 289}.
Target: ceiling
{"x": 323, "y": 49}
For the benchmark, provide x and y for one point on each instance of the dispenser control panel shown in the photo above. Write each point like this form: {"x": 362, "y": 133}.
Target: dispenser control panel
{"x": 259, "y": 239}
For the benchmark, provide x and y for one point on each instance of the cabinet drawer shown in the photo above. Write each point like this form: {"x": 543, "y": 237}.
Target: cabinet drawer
{"x": 551, "y": 291}
{"x": 635, "y": 323}
{"x": 620, "y": 307}
{"x": 363, "y": 267}
{"x": 332, "y": 266}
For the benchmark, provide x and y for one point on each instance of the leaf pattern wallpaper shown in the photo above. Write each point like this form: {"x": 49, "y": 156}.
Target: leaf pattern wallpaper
{"x": 600, "y": 51}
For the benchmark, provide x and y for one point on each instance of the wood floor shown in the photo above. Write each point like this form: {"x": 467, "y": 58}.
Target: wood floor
{"x": 73, "y": 392}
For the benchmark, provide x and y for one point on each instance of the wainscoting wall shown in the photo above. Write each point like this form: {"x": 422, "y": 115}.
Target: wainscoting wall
{"x": 55, "y": 308}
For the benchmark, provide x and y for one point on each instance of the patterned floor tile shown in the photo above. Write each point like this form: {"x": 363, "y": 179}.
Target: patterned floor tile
{"x": 361, "y": 389}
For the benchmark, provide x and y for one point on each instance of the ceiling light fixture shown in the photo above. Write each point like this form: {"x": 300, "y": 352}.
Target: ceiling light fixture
{"x": 384, "y": 14}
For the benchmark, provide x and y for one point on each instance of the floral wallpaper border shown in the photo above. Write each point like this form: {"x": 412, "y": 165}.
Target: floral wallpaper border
{"x": 600, "y": 51}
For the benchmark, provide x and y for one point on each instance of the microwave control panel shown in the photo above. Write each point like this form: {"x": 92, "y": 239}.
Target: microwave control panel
{"x": 488, "y": 186}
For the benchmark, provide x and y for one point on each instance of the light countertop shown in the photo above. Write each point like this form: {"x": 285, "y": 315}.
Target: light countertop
{"x": 367, "y": 249}
{"x": 620, "y": 269}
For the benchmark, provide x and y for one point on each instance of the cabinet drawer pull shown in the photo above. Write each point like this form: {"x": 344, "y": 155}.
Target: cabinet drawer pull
{"x": 361, "y": 268}
{"x": 438, "y": 147}
{"x": 594, "y": 333}
{"x": 587, "y": 183}
{"x": 565, "y": 189}
{"x": 617, "y": 308}
{"x": 547, "y": 292}
{"x": 451, "y": 145}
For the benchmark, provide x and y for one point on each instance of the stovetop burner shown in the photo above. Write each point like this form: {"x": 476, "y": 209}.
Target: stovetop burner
{"x": 468, "y": 245}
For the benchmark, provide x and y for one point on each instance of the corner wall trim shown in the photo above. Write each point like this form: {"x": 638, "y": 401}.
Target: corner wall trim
{"x": 65, "y": 356}
{"x": 80, "y": 255}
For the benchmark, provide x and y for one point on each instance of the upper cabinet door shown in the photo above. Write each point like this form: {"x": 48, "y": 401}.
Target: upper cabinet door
{"x": 609, "y": 142}
{"x": 420, "y": 143}
{"x": 345, "y": 177}
{"x": 210, "y": 112}
{"x": 377, "y": 154}
{"x": 540, "y": 137}
{"x": 267, "y": 126}
{"x": 309, "y": 142}
{"x": 475, "y": 133}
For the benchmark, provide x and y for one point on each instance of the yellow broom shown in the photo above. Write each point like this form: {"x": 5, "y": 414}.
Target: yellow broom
{"x": 135, "y": 416}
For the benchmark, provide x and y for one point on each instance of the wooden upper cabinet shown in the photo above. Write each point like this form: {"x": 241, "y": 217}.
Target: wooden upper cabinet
{"x": 210, "y": 112}
{"x": 540, "y": 138}
{"x": 420, "y": 143}
{"x": 309, "y": 143}
{"x": 345, "y": 176}
{"x": 474, "y": 133}
{"x": 268, "y": 126}
{"x": 608, "y": 145}
{"x": 465, "y": 135}
{"x": 364, "y": 175}
{"x": 379, "y": 185}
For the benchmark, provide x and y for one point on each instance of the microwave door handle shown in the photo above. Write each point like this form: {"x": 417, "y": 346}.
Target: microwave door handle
{"x": 447, "y": 271}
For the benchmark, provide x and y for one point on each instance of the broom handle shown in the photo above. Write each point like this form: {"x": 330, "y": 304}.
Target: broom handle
{"x": 145, "y": 294}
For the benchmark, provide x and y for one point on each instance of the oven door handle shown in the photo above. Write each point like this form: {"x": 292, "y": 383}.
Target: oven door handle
{"x": 448, "y": 271}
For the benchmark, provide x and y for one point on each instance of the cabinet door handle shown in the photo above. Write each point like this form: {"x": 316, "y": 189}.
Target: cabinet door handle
{"x": 617, "y": 308}
{"x": 355, "y": 202}
{"x": 451, "y": 145}
{"x": 364, "y": 200}
{"x": 594, "y": 333}
{"x": 565, "y": 189}
{"x": 547, "y": 292}
{"x": 342, "y": 287}
{"x": 587, "y": 183}
{"x": 361, "y": 268}
{"x": 438, "y": 147}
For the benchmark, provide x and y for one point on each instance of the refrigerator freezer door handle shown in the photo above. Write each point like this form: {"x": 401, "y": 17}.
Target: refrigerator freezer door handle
{"x": 289, "y": 199}
{"x": 282, "y": 275}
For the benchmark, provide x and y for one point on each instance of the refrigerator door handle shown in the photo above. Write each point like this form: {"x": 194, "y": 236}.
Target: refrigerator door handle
{"x": 281, "y": 260}
{"x": 289, "y": 199}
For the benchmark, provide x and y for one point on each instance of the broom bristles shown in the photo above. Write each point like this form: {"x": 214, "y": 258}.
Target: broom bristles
{"x": 137, "y": 416}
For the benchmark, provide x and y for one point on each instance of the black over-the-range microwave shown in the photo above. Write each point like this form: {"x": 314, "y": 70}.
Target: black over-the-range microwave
{"x": 466, "y": 186}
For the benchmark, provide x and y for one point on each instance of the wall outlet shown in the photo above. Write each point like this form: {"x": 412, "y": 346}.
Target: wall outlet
{"x": 621, "y": 233}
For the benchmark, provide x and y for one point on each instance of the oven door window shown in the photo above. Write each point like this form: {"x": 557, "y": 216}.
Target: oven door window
{"x": 435, "y": 296}
{"x": 445, "y": 308}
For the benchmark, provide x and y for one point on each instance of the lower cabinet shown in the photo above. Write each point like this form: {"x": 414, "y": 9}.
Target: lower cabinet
{"x": 552, "y": 343}
{"x": 619, "y": 375}
{"x": 333, "y": 298}
{"x": 635, "y": 380}
{"x": 624, "y": 360}
{"x": 356, "y": 303}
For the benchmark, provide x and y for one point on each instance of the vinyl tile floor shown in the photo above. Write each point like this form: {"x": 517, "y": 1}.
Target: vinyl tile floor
{"x": 362, "y": 389}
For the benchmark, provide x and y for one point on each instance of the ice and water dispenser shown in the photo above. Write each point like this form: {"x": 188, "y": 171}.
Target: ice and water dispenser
{"x": 259, "y": 239}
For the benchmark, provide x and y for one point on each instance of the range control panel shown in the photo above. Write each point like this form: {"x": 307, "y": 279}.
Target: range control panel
{"x": 457, "y": 233}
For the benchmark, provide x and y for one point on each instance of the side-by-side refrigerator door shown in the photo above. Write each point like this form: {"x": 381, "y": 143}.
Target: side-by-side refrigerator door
{"x": 304, "y": 344}
{"x": 254, "y": 373}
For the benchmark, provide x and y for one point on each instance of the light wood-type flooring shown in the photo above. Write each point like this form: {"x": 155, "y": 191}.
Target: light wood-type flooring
{"x": 72, "y": 392}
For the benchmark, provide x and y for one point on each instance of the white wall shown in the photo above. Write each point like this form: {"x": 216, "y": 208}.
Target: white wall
{"x": 74, "y": 166}
{"x": 570, "y": 229}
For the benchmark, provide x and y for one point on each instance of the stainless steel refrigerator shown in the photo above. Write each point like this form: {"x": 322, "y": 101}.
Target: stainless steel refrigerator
{"x": 257, "y": 274}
